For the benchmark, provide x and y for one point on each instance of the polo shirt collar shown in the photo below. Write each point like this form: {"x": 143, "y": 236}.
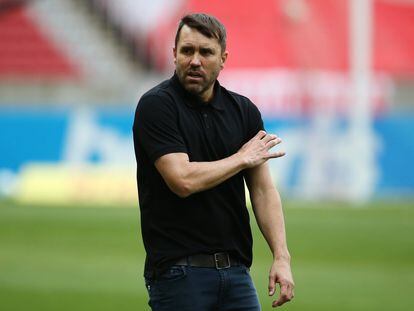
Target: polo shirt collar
{"x": 193, "y": 100}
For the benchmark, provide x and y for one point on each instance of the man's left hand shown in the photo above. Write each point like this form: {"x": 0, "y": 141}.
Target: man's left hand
{"x": 280, "y": 273}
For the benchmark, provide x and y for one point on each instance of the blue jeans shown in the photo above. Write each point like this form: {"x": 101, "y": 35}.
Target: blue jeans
{"x": 185, "y": 288}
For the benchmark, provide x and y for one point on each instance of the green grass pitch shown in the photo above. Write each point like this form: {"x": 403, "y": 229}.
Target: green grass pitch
{"x": 90, "y": 258}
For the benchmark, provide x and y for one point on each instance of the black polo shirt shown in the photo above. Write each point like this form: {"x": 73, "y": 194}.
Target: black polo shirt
{"x": 168, "y": 119}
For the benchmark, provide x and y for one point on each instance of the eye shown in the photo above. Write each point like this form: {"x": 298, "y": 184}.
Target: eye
{"x": 206, "y": 51}
{"x": 186, "y": 50}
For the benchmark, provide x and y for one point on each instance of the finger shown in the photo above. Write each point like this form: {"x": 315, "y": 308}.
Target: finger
{"x": 260, "y": 134}
{"x": 269, "y": 137}
{"x": 283, "y": 297}
{"x": 290, "y": 292}
{"x": 286, "y": 295}
{"x": 272, "y": 284}
{"x": 279, "y": 302}
{"x": 271, "y": 143}
{"x": 284, "y": 289}
{"x": 275, "y": 155}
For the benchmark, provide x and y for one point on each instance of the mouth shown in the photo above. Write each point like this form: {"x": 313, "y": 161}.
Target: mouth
{"x": 195, "y": 75}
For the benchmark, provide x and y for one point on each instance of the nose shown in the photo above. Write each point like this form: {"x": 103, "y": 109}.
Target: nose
{"x": 195, "y": 60}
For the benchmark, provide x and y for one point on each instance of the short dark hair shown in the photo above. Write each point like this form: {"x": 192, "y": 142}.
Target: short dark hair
{"x": 208, "y": 25}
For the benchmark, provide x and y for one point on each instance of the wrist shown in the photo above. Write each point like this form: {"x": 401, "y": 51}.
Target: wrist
{"x": 240, "y": 160}
{"x": 282, "y": 256}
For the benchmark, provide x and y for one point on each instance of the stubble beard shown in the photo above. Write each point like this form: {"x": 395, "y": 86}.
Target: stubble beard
{"x": 197, "y": 89}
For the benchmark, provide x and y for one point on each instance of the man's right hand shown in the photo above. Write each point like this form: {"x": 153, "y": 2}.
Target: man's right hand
{"x": 256, "y": 150}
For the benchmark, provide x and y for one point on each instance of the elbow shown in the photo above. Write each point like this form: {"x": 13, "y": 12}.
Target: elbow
{"x": 182, "y": 188}
{"x": 182, "y": 192}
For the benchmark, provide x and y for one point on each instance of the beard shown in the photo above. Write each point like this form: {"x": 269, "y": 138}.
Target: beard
{"x": 199, "y": 85}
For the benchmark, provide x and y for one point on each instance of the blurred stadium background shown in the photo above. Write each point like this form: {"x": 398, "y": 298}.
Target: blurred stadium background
{"x": 333, "y": 78}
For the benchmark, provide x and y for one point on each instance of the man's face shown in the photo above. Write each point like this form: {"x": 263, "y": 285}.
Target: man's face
{"x": 198, "y": 61}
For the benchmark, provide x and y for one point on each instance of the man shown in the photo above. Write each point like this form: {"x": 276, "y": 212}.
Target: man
{"x": 195, "y": 144}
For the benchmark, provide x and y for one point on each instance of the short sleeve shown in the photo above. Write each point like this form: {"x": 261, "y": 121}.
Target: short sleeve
{"x": 255, "y": 121}
{"x": 155, "y": 127}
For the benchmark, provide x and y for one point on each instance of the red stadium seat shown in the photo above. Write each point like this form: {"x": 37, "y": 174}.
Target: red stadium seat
{"x": 26, "y": 52}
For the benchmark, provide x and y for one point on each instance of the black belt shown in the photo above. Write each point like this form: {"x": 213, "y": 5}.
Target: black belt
{"x": 217, "y": 260}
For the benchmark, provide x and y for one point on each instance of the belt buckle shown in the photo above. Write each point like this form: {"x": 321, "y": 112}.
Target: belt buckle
{"x": 217, "y": 261}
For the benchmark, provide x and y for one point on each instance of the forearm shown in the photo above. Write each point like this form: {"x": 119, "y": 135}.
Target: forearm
{"x": 185, "y": 177}
{"x": 200, "y": 176}
{"x": 267, "y": 207}
{"x": 268, "y": 210}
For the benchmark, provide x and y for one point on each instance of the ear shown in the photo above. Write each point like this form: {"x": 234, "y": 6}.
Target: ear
{"x": 175, "y": 54}
{"x": 224, "y": 58}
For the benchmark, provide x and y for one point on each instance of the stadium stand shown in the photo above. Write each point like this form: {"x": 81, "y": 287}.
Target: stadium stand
{"x": 136, "y": 20}
{"x": 302, "y": 34}
{"x": 55, "y": 50}
{"x": 289, "y": 36}
{"x": 25, "y": 51}
{"x": 70, "y": 41}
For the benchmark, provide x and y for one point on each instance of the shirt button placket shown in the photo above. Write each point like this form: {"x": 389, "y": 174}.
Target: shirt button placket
{"x": 205, "y": 116}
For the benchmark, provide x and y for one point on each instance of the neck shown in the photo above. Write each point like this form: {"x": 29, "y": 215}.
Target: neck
{"x": 207, "y": 95}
